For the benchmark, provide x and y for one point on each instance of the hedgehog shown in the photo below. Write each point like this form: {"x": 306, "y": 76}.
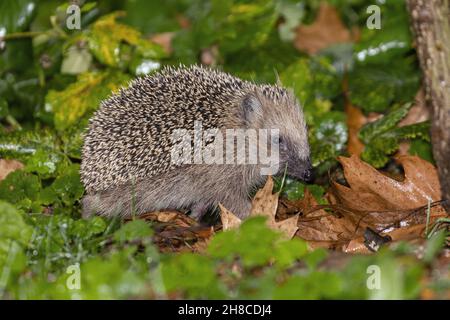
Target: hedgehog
{"x": 127, "y": 164}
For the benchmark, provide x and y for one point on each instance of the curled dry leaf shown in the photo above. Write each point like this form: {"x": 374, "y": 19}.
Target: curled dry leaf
{"x": 177, "y": 232}
{"x": 326, "y": 30}
{"x": 390, "y": 207}
{"x": 229, "y": 220}
{"x": 319, "y": 227}
{"x": 8, "y": 166}
{"x": 394, "y": 208}
{"x": 174, "y": 217}
{"x": 419, "y": 112}
{"x": 265, "y": 204}
{"x": 371, "y": 190}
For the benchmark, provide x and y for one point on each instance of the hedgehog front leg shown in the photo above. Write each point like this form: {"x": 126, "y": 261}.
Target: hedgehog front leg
{"x": 198, "y": 210}
{"x": 240, "y": 205}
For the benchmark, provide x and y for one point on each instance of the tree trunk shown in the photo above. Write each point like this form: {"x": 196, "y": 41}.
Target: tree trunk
{"x": 431, "y": 25}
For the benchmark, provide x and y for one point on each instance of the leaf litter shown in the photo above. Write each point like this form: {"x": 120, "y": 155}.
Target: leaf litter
{"x": 373, "y": 209}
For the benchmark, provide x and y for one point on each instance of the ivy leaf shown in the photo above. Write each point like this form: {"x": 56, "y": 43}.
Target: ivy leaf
{"x": 16, "y": 16}
{"x": 314, "y": 81}
{"x": 234, "y": 24}
{"x": 328, "y": 139}
{"x": 76, "y": 60}
{"x": 19, "y": 186}
{"x": 107, "y": 36}
{"x": 386, "y": 123}
{"x": 261, "y": 63}
{"x": 15, "y": 235}
{"x": 82, "y": 97}
{"x": 382, "y": 137}
{"x": 38, "y": 150}
{"x": 393, "y": 41}
{"x": 374, "y": 88}
{"x": 68, "y": 186}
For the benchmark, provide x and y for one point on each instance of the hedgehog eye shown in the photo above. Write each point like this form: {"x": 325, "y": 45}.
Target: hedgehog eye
{"x": 276, "y": 140}
{"x": 282, "y": 143}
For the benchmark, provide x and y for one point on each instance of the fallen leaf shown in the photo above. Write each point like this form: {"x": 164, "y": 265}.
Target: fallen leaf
{"x": 229, "y": 220}
{"x": 265, "y": 204}
{"x": 355, "y": 121}
{"x": 164, "y": 40}
{"x": 395, "y": 208}
{"x": 371, "y": 190}
{"x": 183, "y": 22}
{"x": 419, "y": 112}
{"x": 209, "y": 55}
{"x": 175, "y": 217}
{"x": 8, "y": 166}
{"x": 320, "y": 225}
{"x": 177, "y": 232}
{"x": 326, "y": 30}
{"x": 288, "y": 226}
{"x": 356, "y": 246}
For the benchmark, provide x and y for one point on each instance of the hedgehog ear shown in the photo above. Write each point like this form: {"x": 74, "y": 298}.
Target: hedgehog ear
{"x": 252, "y": 107}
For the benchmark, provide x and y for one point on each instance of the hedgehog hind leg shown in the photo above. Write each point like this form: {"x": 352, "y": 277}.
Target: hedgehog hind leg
{"x": 239, "y": 206}
{"x": 90, "y": 205}
{"x": 104, "y": 204}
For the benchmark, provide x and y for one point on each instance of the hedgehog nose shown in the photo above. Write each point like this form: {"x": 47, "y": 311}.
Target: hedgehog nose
{"x": 308, "y": 175}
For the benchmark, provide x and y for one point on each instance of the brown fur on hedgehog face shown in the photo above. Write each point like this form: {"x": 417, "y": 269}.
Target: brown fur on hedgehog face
{"x": 283, "y": 113}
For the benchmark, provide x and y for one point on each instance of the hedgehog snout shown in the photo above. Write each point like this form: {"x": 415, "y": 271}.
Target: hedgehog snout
{"x": 301, "y": 170}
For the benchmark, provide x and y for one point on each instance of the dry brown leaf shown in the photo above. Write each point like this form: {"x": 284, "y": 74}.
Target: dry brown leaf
{"x": 209, "y": 55}
{"x": 229, "y": 220}
{"x": 326, "y": 30}
{"x": 320, "y": 225}
{"x": 288, "y": 226}
{"x": 174, "y": 217}
{"x": 419, "y": 112}
{"x": 371, "y": 190}
{"x": 356, "y": 246}
{"x": 177, "y": 232}
{"x": 183, "y": 21}
{"x": 393, "y": 208}
{"x": 407, "y": 233}
{"x": 265, "y": 203}
{"x": 164, "y": 40}
{"x": 355, "y": 120}
{"x": 8, "y": 166}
